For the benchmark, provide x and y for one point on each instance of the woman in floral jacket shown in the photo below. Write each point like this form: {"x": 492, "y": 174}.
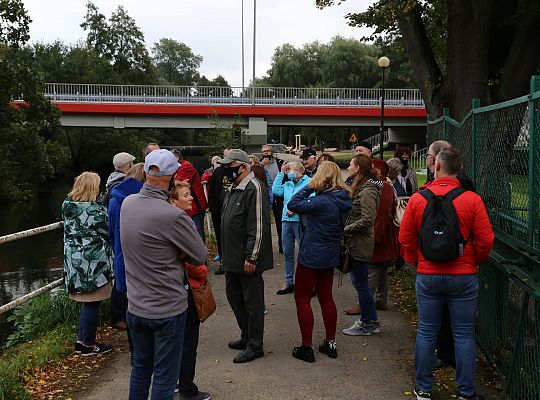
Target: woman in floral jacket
{"x": 88, "y": 258}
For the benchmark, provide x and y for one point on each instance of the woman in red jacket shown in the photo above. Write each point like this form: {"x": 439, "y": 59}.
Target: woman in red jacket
{"x": 454, "y": 283}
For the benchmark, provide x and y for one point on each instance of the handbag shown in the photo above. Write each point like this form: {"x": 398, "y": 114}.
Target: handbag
{"x": 205, "y": 304}
{"x": 345, "y": 261}
{"x": 401, "y": 204}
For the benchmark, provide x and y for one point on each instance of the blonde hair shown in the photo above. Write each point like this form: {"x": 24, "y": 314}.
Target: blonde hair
{"x": 86, "y": 187}
{"x": 176, "y": 188}
{"x": 254, "y": 158}
{"x": 136, "y": 172}
{"x": 215, "y": 159}
{"x": 297, "y": 166}
{"x": 328, "y": 177}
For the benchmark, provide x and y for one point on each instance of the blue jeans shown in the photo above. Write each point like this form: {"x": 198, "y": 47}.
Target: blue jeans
{"x": 290, "y": 232}
{"x": 460, "y": 292}
{"x": 360, "y": 281}
{"x": 157, "y": 351}
{"x": 88, "y": 322}
{"x": 198, "y": 219}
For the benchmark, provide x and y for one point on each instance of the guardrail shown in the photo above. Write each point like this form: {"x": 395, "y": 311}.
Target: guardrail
{"x": 20, "y": 235}
{"x": 217, "y": 95}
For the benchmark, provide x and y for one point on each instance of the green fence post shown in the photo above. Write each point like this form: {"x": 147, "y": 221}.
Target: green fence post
{"x": 534, "y": 178}
{"x": 474, "y": 145}
{"x": 446, "y": 114}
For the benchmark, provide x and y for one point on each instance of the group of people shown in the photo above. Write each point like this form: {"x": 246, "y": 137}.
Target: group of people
{"x": 143, "y": 245}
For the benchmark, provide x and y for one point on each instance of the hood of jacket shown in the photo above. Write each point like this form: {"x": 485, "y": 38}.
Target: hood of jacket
{"x": 341, "y": 199}
{"x": 114, "y": 178}
{"x": 125, "y": 188}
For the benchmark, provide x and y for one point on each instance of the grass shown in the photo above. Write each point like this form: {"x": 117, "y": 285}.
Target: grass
{"x": 45, "y": 331}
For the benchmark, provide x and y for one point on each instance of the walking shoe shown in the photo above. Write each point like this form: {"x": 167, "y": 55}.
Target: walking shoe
{"x": 248, "y": 355}
{"x": 376, "y": 326}
{"x": 219, "y": 271}
{"x": 421, "y": 394}
{"x": 238, "y": 344}
{"x": 329, "y": 348}
{"x": 198, "y": 396}
{"x": 359, "y": 329}
{"x": 216, "y": 258}
{"x": 99, "y": 348}
{"x": 121, "y": 325}
{"x": 79, "y": 347}
{"x": 304, "y": 353}
{"x": 354, "y": 310}
{"x": 287, "y": 289}
{"x": 465, "y": 397}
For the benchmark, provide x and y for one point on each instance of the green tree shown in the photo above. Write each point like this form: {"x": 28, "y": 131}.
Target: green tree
{"x": 121, "y": 42}
{"x": 27, "y": 129}
{"x": 176, "y": 63}
{"x": 218, "y": 81}
{"x": 461, "y": 49}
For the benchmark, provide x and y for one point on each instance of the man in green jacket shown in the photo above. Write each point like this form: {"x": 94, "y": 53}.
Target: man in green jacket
{"x": 246, "y": 251}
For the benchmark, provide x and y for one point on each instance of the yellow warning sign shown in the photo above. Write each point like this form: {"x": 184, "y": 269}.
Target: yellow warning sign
{"x": 353, "y": 139}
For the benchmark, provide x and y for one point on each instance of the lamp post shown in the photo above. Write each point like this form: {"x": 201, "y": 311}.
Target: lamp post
{"x": 254, "y": 31}
{"x": 384, "y": 63}
{"x": 243, "y": 85}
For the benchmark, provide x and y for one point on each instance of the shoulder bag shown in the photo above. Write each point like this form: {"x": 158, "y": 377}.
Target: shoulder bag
{"x": 205, "y": 304}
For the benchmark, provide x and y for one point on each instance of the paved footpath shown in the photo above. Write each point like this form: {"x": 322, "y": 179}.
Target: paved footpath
{"x": 374, "y": 367}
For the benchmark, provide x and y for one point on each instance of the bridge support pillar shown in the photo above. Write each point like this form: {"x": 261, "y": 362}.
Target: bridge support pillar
{"x": 257, "y": 134}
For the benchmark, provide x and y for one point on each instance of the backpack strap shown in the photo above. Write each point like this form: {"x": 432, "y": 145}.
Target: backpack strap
{"x": 454, "y": 193}
{"x": 427, "y": 194}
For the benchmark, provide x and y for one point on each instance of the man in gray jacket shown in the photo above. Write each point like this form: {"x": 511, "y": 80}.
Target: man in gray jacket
{"x": 246, "y": 250}
{"x": 153, "y": 235}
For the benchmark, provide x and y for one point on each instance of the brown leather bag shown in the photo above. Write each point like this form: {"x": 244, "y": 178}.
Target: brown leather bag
{"x": 204, "y": 301}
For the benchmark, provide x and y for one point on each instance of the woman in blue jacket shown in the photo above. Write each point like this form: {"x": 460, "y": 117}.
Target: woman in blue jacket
{"x": 290, "y": 225}
{"x": 325, "y": 214}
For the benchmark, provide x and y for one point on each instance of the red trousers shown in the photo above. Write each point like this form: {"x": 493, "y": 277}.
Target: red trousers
{"x": 308, "y": 280}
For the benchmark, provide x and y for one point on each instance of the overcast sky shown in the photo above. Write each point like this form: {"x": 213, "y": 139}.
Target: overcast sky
{"x": 212, "y": 28}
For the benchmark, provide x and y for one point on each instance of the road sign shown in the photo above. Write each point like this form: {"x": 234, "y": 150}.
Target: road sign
{"x": 353, "y": 139}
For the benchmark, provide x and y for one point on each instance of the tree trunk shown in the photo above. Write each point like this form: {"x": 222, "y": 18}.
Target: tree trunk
{"x": 426, "y": 71}
{"x": 468, "y": 53}
{"x": 523, "y": 59}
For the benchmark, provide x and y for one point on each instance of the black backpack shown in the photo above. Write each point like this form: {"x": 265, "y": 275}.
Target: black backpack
{"x": 440, "y": 237}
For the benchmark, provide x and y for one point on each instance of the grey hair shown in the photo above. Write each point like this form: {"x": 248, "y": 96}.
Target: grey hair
{"x": 297, "y": 166}
{"x": 437, "y": 146}
{"x": 394, "y": 165}
{"x": 450, "y": 160}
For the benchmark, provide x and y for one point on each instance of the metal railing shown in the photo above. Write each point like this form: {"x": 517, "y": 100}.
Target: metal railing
{"x": 374, "y": 140}
{"x": 217, "y": 95}
{"x": 418, "y": 161}
{"x": 24, "y": 234}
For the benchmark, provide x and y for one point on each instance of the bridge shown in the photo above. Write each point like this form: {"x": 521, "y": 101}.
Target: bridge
{"x": 203, "y": 107}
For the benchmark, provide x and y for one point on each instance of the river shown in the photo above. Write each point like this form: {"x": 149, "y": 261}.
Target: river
{"x": 27, "y": 263}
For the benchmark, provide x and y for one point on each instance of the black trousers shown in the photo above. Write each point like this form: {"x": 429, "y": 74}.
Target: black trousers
{"x": 445, "y": 340}
{"x": 189, "y": 353}
{"x": 119, "y": 304}
{"x": 245, "y": 294}
{"x": 277, "y": 209}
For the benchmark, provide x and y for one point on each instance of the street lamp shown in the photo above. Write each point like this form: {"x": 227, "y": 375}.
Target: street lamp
{"x": 384, "y": 62}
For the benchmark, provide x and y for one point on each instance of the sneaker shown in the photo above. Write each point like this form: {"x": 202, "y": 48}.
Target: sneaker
{"x": 329, "y": 348}
{"x": 421, "y": 394}
{"x": 304, "y": 353}
{"x": 217, "y": 258}
{"x": 99, "y": 348}
{"x": 287, "y": 289}
{"x": 465, "y": 397}
{"x": 376, "y": 327}
{"x": 359, "y": 329}
{"x": 79, "y": 347}
{"x": 198, "y": 396}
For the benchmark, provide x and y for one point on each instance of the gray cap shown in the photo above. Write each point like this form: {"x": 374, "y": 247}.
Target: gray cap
{"x": 121, "y": 159}
{"x": 235, "y": 155}
{"x": 164, "y": 160}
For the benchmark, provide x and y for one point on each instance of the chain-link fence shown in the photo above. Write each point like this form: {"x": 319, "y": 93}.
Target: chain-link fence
{"x": 500, "y": 147}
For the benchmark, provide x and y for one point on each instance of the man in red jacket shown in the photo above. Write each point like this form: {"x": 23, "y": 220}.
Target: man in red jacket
{"x": 454, "y": 283}
{"x": 187, "y": 173}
